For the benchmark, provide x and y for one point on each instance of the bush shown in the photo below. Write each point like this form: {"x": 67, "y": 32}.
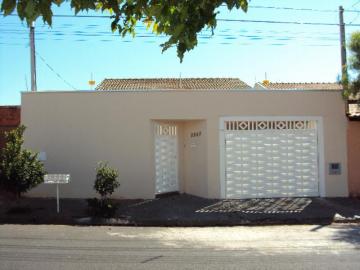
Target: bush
{"x": 105, "y": 184}
{"x": 106, "y": 180}
{"x": 20, "y": 169}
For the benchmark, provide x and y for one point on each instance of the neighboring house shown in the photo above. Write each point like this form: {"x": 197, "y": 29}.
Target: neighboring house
{"x": 9, "y": 120}
{"x": 354, "y": 108}
{"x": 215, "y": 138}
{"x": 297, "y": 86}
{"x": 353, "y": 104}
{"x": 354, "y": 146}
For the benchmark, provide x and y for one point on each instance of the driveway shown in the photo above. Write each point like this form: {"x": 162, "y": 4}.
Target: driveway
{"x": 43, "y": 247}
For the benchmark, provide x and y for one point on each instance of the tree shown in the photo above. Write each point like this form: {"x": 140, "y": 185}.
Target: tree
{"x": 181, "y": 20}
{"x": 106, "y": 180}
{"x": 354, "y": 47}
{"x": 105, "y": 184}
{"x": 20, "y": 169}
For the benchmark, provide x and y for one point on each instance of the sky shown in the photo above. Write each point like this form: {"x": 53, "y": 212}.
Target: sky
{"x": 75, "y": 49}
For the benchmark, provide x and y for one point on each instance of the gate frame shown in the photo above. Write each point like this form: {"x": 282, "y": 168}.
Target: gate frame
{"x": 320, "y": 140}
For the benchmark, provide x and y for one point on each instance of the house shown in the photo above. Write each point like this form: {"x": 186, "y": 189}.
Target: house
{"x": 353, "y": 141}
{"x": 210, "y": 137}
{"x": 297, "y": 86}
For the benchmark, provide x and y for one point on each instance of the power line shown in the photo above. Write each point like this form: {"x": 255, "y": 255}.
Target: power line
{"x": 357, "y": 15}
{"x": 355, "y": 4}
{"x": 140, "y": 34}
{"x": 284, "y": 22}
{"x": 307, "y": 9}
{"x": 223, "y": 20}
{"x": 355, "y": 18}
{"x": 56, "y": 73}
{"x": 303, "y": 9}
{"x": 352, "y": 10}
{"x": 71, "y": 15}
{"x": 294, "y": 9}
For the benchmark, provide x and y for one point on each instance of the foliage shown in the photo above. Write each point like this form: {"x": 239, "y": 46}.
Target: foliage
{"x": 105, "y": 184}
{"x": 106, "y": 180}
{"x": 353, "y": 87}
{"x": 181, "y": 20}
{"x": 20, "y": 169}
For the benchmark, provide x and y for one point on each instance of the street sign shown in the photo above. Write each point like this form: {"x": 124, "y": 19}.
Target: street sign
{"x": 57, "y": 179}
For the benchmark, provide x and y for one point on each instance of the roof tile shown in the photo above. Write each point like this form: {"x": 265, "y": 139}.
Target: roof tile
{"x": 303, "y": 86}
{"x": 173, "y": 84}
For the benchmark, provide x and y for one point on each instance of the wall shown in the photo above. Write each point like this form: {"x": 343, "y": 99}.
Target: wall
{"x": 9, "y": 119}
{"x": 195, "y": 158}
{"x": 354, "y": 157}
{"x": 77, "y": 129}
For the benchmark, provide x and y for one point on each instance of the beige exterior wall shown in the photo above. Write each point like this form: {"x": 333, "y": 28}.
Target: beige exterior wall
{"x": 78, "y": 129}
{"x": 195, "y": 158}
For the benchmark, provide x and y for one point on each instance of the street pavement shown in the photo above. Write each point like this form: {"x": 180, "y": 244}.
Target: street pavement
{"x": 53, "y": 247}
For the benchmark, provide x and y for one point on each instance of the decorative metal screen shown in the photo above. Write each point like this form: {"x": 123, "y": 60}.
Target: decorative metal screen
{"x": 166, "y": 162}
{"x": 266, "y": 159}
{"x": 265, "y": 125}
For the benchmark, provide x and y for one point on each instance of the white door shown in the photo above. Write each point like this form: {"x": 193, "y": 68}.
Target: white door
{"x": 166, "y": 158}
{"x": 270, "y": 158}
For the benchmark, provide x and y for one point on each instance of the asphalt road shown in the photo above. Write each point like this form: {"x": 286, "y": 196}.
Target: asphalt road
{"x": 271, "y": 247}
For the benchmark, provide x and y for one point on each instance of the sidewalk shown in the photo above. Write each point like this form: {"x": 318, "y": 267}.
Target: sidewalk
{"x": 187, "y": 210}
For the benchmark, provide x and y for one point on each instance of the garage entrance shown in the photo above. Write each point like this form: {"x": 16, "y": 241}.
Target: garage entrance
{"x": 270, "y": 157}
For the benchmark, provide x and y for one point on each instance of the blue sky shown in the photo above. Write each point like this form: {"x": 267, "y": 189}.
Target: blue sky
{"x": 75, "y": 48}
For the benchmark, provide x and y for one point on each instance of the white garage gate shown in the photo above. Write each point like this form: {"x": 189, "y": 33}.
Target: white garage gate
{"x": 270, "y": 157}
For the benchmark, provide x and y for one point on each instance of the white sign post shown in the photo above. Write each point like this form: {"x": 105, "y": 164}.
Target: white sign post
{"x": 57, "y": 179}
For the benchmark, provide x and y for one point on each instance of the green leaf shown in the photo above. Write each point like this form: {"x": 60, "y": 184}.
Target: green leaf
{"x": 113, "y": 26}
{"x": 8, "y": 6}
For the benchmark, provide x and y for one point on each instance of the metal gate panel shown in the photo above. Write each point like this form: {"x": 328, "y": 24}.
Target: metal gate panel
{"x": 166, "y": 162}
{"x": 271, "y": 159}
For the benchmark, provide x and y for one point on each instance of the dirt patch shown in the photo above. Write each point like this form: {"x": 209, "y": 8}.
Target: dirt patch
{"x": 185, "y": 210}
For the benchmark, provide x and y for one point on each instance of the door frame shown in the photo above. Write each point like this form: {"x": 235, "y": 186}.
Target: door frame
{"x": 320, "y": 146}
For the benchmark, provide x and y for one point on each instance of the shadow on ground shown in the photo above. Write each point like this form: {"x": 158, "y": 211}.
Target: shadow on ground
{"x": 186, "y": 210}
{"x": 349, "y": 233}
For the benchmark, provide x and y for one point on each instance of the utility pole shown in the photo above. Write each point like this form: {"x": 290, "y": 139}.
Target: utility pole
{"x": 342, "y": 45}
{"x": 32, "y": 57}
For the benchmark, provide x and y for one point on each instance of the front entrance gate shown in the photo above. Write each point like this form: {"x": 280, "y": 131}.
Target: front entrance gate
{"x": 166, "y": 158}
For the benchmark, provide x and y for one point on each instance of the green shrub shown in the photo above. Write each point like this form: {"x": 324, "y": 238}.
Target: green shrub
{"x": 20, "y": 169}
{"x": 106, "y": 180}
{"x": 105, "y": 184}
